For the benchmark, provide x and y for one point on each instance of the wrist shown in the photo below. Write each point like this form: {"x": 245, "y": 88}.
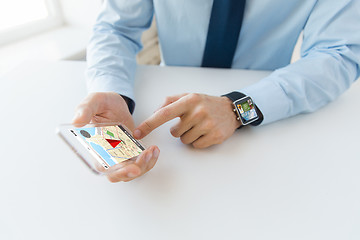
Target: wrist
{"x": 232, "y": 115}
{"x": 245, "y": 109}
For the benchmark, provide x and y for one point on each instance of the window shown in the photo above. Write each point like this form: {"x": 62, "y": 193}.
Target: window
{"x": 21, "y": 18}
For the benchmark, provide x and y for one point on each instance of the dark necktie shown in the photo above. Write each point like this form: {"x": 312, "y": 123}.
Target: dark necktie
{"x": 223, "y": 34}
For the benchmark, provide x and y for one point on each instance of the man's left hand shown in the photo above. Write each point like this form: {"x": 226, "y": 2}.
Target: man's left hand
{"x": 204, "y": 120}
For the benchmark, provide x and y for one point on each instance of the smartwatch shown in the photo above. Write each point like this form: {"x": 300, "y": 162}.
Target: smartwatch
{"x": 245, "y": 109}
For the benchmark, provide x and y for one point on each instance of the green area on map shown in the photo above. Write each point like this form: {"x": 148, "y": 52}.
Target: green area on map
{"x": 110, "y": 133}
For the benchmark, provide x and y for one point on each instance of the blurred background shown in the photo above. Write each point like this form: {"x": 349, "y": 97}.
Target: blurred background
{"x": 54, "y": 30}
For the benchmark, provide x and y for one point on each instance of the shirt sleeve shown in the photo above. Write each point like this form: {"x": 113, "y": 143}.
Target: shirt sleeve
{"x": 329, "y": 64}
{"x": 115, "y": 41}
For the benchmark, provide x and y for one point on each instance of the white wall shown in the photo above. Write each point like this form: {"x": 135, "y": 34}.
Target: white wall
{"x": 66, "y": 42}
{"x": 296, "y": 54}
{"x": 80, "y": 13}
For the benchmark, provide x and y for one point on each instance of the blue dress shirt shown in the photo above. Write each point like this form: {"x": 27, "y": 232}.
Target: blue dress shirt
{"x": 330, "y": 54}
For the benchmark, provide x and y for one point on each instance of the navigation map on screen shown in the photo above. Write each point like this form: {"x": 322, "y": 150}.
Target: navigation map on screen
{"x": 112, "y": 143}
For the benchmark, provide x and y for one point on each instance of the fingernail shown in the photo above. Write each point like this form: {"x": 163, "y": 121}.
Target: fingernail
{"x": 156, "y": 153}
{"x": 148, "y": 157}
{"x": 137, "y": 133}
{"x": 131, "y": 175}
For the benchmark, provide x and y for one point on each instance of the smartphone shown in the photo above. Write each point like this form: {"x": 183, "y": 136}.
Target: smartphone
{"x": 103, "y": 147}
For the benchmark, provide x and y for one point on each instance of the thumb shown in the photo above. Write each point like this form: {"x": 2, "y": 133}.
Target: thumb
{"x": 85, "y": 111}
{"x": 82, "y": 116}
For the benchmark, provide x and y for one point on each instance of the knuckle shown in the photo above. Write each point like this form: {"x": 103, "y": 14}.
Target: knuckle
{"x": 184, "y": 140}
{"x": 200, "y": 112}
{"x": 194, "y": 98}
{"x": 209, "y": 125}
{"x": 164, "y": 113}
{"x": 204, "y": 109}
{"x": 175, "y": 132}
{"x": 218, "y": 137}
{"x": 198, "y": 145}
{"x": 147, "y": 125}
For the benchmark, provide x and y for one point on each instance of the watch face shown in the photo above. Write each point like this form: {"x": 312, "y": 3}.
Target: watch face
{"x": 246, "y": 110}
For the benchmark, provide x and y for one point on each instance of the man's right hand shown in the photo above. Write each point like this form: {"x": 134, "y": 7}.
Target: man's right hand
{"x": 102, "y": 107}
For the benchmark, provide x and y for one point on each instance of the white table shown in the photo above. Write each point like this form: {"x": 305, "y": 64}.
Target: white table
{"x": 294, "y": 179}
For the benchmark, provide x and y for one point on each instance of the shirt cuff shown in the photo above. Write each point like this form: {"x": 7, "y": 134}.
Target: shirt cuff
{"x": 130, "y": 103}
{"x": 270, "y": 99}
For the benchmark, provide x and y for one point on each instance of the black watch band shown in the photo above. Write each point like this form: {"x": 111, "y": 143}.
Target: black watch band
{"x": 233, "y": 96}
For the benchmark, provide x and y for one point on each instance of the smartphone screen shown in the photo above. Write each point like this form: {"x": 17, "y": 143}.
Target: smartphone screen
{"x": 110, "y": 145}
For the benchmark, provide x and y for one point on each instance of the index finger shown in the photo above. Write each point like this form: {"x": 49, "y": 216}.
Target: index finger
{"x": 163, "y": 115}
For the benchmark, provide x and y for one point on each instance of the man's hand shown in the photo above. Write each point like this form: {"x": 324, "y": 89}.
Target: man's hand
{"x": 204, "y": 120}
{"x": 102, "y": 107}
{"x": 105, "y": 107}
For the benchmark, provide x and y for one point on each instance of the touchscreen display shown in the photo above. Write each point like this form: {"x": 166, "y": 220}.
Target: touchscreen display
{"x": 109, "y": 144}
{"x": 247, "y": 110}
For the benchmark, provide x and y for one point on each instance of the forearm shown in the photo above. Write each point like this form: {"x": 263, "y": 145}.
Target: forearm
{"x": 114, "y": 44}
{"x": 304, "y": 86}
{"x": 329, "y": 64}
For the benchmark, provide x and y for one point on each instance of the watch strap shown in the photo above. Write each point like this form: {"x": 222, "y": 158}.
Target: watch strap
{"x": 233, "y": 96}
